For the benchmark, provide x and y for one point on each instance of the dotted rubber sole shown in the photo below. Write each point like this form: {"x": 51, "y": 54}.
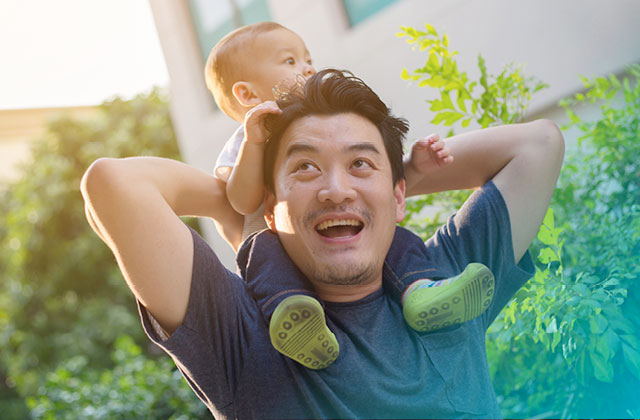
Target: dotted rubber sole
{"x": 299, "y": 331}
{"x": 433, "y": 308}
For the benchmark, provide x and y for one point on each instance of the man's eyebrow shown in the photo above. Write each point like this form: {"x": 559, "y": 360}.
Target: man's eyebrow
{"x": 363, "y": 147}
{"x": 300, "y": 147}
{"x": 306, "y": 147}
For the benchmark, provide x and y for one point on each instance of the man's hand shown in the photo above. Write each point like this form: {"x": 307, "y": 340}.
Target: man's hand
{"x": 427, "y": 156}
{"x": 254, "y": 129}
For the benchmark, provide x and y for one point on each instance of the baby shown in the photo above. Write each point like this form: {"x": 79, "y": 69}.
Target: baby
{"x": 243, "y": 71}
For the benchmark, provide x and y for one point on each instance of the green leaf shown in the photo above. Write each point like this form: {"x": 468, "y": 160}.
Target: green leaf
{"x": 460, "y": 102}
{"x": 547, "y": 255}
{"x": 405, "y": 74}
{"x": 552, "y": 327}
{"x": 446, "y": 100}
{"x": 447, "y": 117}
{"x": 602, "y": 347}
{"x": 573, "y": 301}
{"x": 602, "y": 368}
{"x": 612, "y": 339}
{"x": 594, "y": 304}
{"x": 549, "y": 218}
{"x": 631, "y": 341}
{"x": 611, "y": 282}
{"x": 431, "y": 29}
{"x": 436, "y": 105}
{"x": 557, "y": 337}
{"x": 485, "y": 120}
{"x": 598, "y": 324}
{"x": 433, "y": 63}
{"x": 632, "y": 357}
{"x": 547, "y": 236}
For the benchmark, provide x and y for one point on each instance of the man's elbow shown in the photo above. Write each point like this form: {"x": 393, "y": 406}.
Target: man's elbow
{"x": 97, "y": 177}
{"x": 551, "y": 141}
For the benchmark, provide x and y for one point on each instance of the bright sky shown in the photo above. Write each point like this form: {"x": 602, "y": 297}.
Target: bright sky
{"x": 76, "y": 52}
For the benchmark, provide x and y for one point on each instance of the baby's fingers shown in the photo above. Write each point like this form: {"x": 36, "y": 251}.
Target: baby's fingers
{"x": 268, "y": 107}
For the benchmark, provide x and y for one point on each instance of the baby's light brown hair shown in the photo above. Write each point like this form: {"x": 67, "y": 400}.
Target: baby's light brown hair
{"x": 225, "y": 65}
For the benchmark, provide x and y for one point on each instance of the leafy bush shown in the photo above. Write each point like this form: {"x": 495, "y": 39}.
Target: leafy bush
{"x": 62, "y": 295}
{"x": 567, "y": 344}
{"x": 488, "y": 101}
{"x": 137, "y": 387}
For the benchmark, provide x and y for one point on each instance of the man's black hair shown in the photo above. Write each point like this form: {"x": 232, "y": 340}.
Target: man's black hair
{"x": 330, "y": 92}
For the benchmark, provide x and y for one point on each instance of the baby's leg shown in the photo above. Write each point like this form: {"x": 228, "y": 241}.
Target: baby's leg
{"x": 297, "y": 323}
{"x": 432, "y": 299}
{"x": 429, "y": 305}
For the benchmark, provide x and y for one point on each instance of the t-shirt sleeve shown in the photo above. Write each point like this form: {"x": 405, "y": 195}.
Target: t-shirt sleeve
{"x": 227, "y": 157}
{"x": 481, "y": 232}
{"x": 209, "y": 345}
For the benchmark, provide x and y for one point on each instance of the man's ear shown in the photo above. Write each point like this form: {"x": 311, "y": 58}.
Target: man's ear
{"x": 269, "y": 205}
{"x": 401, "y": 204}
{"x": 245, "y": 94}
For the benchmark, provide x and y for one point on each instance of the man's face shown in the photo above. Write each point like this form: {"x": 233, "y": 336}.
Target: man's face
{"x": 335, "y": 206}
{"x": 279, "y": 57}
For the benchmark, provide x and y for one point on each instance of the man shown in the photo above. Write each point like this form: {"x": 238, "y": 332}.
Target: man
{"x": 335, "y": 191}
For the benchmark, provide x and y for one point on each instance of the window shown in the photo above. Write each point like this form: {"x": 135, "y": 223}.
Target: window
{"x": 213, "y": 19}
{"x": 359, "y": 10}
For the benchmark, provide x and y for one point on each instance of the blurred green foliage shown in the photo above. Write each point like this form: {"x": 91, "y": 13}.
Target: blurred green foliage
{"x": 62, "y": 297}
{"x": 137, "y": 387}
{"x": 490, "y": 100}
{"x": 568, "y": 344}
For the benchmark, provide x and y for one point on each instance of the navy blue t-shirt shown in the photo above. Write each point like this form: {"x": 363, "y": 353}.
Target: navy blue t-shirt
{"x": 385, "y": 369}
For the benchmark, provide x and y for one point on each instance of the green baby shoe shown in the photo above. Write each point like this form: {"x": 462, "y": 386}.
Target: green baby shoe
{"x": 299, "y": 331}
{"x": 430, "y": 305}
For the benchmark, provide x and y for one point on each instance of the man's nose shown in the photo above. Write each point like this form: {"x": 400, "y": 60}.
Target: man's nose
{"x": 337, "y": 189}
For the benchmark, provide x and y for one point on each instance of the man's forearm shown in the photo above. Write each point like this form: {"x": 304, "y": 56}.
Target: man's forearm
{"x": 478, "y": 156}
{"x": 186, "y": 190}
{"x": 133, "y": 205}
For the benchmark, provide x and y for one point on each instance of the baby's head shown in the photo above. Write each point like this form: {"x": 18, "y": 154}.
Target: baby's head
{"x": 245, "y": 66}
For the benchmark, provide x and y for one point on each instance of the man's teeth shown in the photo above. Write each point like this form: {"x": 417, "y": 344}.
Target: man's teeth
{"x": 343, "y": 222}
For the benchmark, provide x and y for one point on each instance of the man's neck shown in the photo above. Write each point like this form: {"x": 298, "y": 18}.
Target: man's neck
{"x": 347, "y": 293}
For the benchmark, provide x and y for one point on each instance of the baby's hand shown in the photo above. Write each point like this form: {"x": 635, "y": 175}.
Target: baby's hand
{"x": 254, "y": 129}
{"x": 429, "y": 154}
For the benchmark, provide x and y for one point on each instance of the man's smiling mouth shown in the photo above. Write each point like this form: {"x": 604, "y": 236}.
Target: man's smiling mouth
{"x": 339, "y": 228}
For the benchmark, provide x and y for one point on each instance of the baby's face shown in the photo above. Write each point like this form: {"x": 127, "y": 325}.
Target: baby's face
{"x": 279, "y": 57}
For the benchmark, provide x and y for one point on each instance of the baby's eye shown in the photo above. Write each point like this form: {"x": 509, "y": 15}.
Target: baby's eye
{"x": 291, "y": 61}
{"x": 310, "y": 62}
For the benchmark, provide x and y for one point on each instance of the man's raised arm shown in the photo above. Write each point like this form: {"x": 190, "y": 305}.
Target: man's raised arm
{"x": 524, "y": 161}
{"x": 133, "y": 204}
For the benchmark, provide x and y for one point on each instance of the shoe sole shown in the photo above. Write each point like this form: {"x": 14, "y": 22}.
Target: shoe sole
{"x": 299, "y": 331}
{"x": 432, "y": 308}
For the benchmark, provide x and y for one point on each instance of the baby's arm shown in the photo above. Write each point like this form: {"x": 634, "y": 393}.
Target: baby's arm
{"x": 428, "y": 155}
{"x": 479, "y": 156}
{"x": 245, "y": 187}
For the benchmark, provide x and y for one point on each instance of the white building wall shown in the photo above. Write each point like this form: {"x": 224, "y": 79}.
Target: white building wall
{"x": 555, "y": 40}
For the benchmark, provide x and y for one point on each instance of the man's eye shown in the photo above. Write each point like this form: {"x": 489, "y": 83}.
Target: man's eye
{"x": 306, "y": 167}
{"x": 361, "y": 164}
{"x": 290, "y": 61}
